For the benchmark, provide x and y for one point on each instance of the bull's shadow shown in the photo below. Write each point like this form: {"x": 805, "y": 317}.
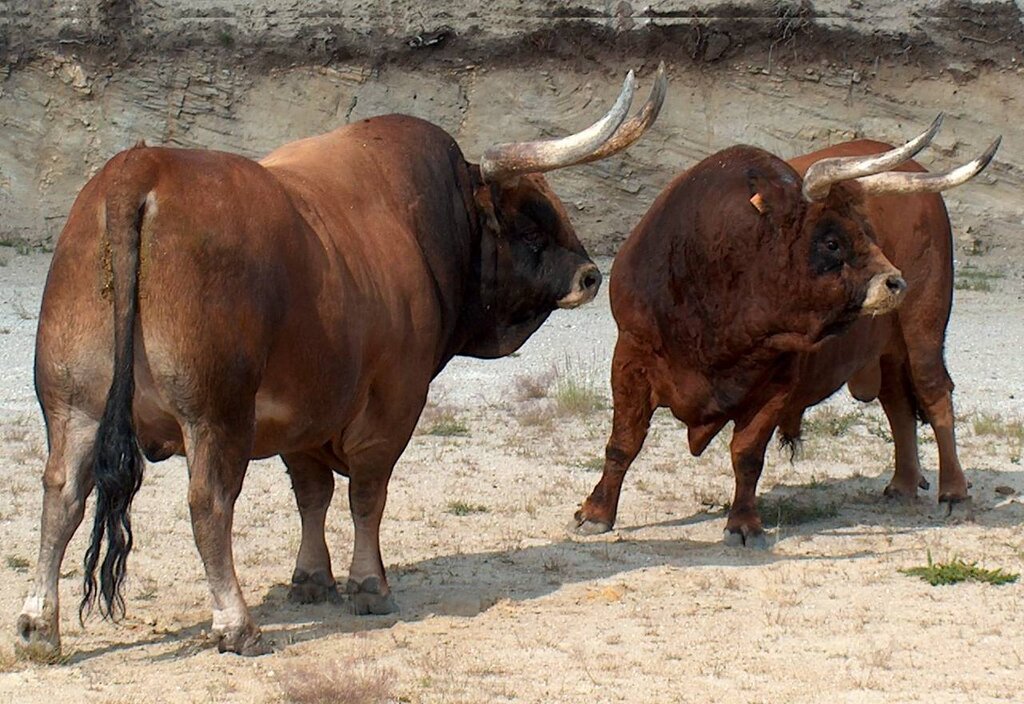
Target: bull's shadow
{"x": 466, "y": 584}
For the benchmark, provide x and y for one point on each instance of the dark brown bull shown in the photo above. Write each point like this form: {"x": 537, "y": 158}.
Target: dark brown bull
{"x": 297, "y": 306}
{"x": 748, "y": 294}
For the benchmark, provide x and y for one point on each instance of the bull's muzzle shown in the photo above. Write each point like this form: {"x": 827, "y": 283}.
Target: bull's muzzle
{"x": 585, "y": 284}
{"x": 886, "y": 292}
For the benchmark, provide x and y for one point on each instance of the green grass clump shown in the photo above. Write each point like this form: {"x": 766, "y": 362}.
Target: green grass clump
{"x": 832, "y": 422}
{"x": 447, "y": 425}
{"x": 787, "y": 511}
{"x": 461, "y": 508}
{"x": 956, "y": 570}
{"x": 972, "y": 279}
{"x": 17, "y": 563}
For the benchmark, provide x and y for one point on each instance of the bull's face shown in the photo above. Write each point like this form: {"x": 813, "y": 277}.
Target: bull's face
{"x": 543, "y": 259}
{"x": 847, "y": 274}
{"x": 532, "y": 260}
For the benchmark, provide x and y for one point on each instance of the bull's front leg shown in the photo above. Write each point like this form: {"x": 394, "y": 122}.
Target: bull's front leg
{"x": 313, "y": 485}
{"x": 631, "y": 419}
{"x": 367, "y": 583}
{"x": 749, "y": 442}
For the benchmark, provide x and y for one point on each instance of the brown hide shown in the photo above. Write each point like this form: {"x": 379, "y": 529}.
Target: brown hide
{"x": 298, "y": 306}
{"x": 727, "y": 312}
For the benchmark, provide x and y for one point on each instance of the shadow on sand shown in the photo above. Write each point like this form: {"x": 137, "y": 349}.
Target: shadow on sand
{"x": 467, "y": 584}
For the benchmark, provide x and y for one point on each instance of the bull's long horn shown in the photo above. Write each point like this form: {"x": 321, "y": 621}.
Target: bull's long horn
{"x": 911, "y": 182}
{"x": 822, "y": 174}
{"x": 504, "y": 161}
{"x": 632, "y": 129}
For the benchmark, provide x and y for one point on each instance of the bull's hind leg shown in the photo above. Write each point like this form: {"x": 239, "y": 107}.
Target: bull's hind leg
{"x": 67, "y": 481}
{"x": 896, "y": 397}
{"x": 313, "y": 484}
{"x": 631, "y": 419}
{"x": 934, "y": 391}
{"x": 218, "y": 455}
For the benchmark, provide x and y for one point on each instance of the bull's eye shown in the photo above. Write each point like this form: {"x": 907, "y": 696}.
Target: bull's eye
{"x": 533, "y": 236}
{"x": 832, "y": 244}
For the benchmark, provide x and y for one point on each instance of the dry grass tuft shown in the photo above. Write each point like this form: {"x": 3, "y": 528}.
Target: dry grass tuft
{"x": 530, "y": 387}
{"x": 995, "y": 425}
{"x": 576, "y": 392}
{"x": 350, "y": 681}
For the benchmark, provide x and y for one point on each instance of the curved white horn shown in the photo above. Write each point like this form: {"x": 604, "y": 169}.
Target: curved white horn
{"x": 504, "y": 161}
{"x": 822, "y": 174}
{"x": 917, "y": 182}
{"x": 633, "y": 128}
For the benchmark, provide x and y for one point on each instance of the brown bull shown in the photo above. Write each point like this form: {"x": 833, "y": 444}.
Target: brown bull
{"x": 297, "y": 306}
{"x": 753, "y": 289}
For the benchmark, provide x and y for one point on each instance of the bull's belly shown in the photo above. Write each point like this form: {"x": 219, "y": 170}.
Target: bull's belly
{"x": 281, "y": 426}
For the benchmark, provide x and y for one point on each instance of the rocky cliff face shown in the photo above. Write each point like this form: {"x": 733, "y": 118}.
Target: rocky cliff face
{"x": 82, "y": 80}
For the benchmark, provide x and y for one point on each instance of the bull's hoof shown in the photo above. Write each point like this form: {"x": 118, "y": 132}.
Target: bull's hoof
{"x": 954, "y": 492}
{"x": 247, "y": 641}
{"x": 584, "y": 524}
{"x": 922, "y": 483}
{"x": 956, "y": 498}
{"x": 370, "y": 597}
{"x": 315, "y": 588}
{"x": 754, "y": 539}
{"x": 588, "y": 527}
{"x": 898, "y": 493}
{"x": 38, "y": 639}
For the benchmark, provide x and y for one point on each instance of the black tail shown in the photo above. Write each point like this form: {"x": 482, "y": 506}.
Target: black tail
{"x": 117, "y": 462}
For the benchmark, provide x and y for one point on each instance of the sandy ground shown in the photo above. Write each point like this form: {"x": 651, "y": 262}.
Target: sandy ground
{"x": 503, "y": 604}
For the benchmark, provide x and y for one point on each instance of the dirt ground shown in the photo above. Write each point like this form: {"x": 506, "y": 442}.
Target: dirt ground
{"x": 499, "y": 602}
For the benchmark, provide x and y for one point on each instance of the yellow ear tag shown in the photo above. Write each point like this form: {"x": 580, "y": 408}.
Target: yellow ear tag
{"x": 758, "y": 202}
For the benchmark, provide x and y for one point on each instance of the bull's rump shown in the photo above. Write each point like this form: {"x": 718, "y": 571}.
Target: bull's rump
{"x": 221, "y": 256}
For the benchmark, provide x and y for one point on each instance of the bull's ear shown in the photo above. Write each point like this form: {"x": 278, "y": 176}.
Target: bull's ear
{"x": 772, "y": 195}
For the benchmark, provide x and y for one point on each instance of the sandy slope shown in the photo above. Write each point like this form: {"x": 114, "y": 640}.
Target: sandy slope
{"x": 504, "y": 605}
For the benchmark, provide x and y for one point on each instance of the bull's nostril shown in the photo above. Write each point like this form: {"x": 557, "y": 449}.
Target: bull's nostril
{"x": 896, "y": 284}
{"x": 589, "y": 281}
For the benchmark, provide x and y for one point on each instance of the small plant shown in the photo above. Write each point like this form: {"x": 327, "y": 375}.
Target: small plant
{"x": 444, "y": 422}
{"x": 831, "y": 421}
{"x": 461, "y": 508}
{"x": 969, "y": 278}
{"x": 956, "y": 570}
{"x": 17, "y": 563}
{"x": 348, "y": 682}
